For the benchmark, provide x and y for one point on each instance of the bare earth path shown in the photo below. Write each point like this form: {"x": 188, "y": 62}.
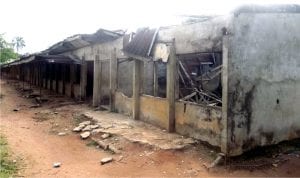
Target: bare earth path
{"x": 38, "y": 144}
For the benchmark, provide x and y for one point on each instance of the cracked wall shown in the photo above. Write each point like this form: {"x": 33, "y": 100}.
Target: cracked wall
{"x": 263, "y": 80}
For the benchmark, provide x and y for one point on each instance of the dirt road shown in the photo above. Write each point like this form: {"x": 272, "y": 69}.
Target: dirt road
{"x": 39, "y": 146}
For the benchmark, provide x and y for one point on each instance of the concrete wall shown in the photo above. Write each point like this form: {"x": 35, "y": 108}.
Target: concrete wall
{"x": 200, "y": 122}
{"x": 154, "y": 110}
{"x": 103, "y": 50}
{"x": 197, "y": 37}
{"x": 123, "y": 104}
{"x": 264, "y": 80}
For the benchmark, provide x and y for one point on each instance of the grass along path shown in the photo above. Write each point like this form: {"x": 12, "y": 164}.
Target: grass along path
{"x": 8, "y": 167}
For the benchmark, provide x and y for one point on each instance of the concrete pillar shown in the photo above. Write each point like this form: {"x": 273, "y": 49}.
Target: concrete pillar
{"x": 56, "y": 77}
{"x": 113, "y": 79}
{"x": 72, "y": 78}
{"x": 64, "y": 66}
{"x": 171, "y": 85}
{"x": 97, "y": 82}
{"x": 137, "y": 84}
{"x": 224, "y": 121}
{"x": 155, "y": 80}
{"x": 83, "y": 79}
{"x": 51, "y": 76}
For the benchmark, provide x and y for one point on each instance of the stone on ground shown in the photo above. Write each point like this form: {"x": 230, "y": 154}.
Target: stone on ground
{"x": 105, "y": 136}
{"x": 85, "y": 135}
{"x": 94, "y": 126}
{"x": 95, "y": 131}
{"x": 85, "y": 123}
{"x": 79, "y": 128}
{"x": 62, "y": 133}
{"x": 106, "y": 160}
{"x": 87, "y": 128}
{"x": 56, "y": 165}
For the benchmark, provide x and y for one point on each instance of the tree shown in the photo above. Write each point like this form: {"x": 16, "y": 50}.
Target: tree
{"x": 18, "y": 43}
{"x": 7, "y": 54}
{"x": 6, "y": 51}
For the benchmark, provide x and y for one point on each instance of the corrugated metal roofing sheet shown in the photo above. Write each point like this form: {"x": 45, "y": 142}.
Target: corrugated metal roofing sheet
{"x": 45, "y": 58}
{"x": 142, "y": 43}
{"x": 82, "y": 40}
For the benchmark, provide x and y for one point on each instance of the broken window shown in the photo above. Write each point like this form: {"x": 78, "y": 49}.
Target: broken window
{"x": 200, "y": 78}
{"x": 125, "y": 74}
{"x": 161, "y": 74}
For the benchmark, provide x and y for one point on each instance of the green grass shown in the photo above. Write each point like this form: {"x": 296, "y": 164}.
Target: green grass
{"x": 92, "y": 143}
{"x": 7, "y": 167}
{"x": 78, "y": 118}
{"x": 1, "y": 95}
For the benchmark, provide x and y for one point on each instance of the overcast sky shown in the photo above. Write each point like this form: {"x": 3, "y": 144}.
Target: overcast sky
{"x": 44, "y": 22}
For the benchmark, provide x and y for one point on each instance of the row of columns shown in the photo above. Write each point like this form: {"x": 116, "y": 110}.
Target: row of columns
{"x": 40, "y": 73}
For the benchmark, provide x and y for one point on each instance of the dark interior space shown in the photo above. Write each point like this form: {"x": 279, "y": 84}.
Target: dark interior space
{"x": 90, "y": 79}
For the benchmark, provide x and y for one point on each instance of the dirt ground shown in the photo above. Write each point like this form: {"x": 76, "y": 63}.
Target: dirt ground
{"x": 36, "y": 145}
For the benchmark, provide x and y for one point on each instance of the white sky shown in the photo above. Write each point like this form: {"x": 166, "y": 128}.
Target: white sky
{"x": 44, "y": 22}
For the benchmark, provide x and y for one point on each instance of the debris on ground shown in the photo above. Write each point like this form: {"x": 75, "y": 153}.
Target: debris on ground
{"x": 85, "y": 123}
{"x": 56, "y": 165}
{"x": 275, "y": 165}
{"x": 95, "y": 126}
{"x": 106, "y": 160}
{"x": 87, "y": 128}
{"x": 32, "y": 96}
{"x": 43, "y": 115}
{"x": 101, "y": 144}
{"x": 78, "y": 128}
{"x": 217, "y": 161}
{"x": 16, "y": 109}
{"x": 35, "y": 106}
{"x": 138, "y": 132}
{"x": 85, "y": 135}
{"x": 105, "y": 136}
{"x": 95, "y": 131}
{"x": 120, "y": 158}
{"x": 62, "y": 134}
{"x": 114, "y": 149}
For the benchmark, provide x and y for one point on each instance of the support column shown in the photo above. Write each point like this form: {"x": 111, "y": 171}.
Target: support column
{"x": 113, "y": 79}
{"x": 30, "y": 76}
{"x": 51, "y": 76}
{"x": 137, "y": 84}
{"x": 64, "y": 66}
{"x": 171, "y": 85}
{"x": 72, "y": 78}
{"x": 46, "y": 75}
{"x": 155, "y": 79}
{"x": 40, "y": 78}
{"x": 83, "y": 79}
{"x": 97, "y": 81}
{"x": 56, "y": 77}
{"x": 224, "y": 133}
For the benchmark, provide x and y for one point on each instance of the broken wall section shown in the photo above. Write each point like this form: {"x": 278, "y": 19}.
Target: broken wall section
{"x": 200, "y": 122}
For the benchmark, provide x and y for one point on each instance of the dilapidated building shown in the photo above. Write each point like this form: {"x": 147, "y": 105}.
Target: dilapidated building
{"x": 232, "y": 81}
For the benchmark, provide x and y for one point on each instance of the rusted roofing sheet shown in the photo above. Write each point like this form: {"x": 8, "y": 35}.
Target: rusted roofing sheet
{"x": 142, "y": 43}
{"x": 82, "y": 40}
{"x": 46, "y": 58}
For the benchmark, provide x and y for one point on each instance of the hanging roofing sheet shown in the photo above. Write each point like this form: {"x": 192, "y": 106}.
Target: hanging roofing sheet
{"x": 142, "y": 43}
